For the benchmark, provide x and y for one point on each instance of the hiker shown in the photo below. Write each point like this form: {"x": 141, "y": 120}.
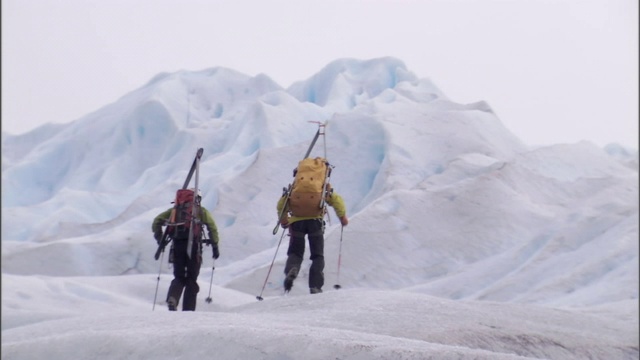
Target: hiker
{"x": 301, "y": 222}
{"x": 185, "y": 268}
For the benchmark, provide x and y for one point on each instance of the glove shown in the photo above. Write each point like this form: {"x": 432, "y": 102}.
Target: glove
{"x": 216, "y": 252}
{"x": 344, "y": 220}
{"x": 158, "y": 236}
{"x": 284, "y": 222}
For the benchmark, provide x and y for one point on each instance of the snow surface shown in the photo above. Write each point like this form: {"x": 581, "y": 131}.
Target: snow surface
{"x": 464, "y": 243}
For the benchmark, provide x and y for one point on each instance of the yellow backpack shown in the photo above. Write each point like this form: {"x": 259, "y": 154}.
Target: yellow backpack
{"x": 311, "y": 175}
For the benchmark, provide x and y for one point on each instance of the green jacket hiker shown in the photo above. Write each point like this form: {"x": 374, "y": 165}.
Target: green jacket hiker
{"x": 186, "y": 265}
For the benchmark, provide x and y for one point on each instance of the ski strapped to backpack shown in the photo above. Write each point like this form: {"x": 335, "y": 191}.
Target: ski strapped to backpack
{"x": 182, "y": 196}
{"x": 195, "y": 213}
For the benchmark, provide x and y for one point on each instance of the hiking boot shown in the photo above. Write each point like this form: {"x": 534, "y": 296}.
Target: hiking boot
{"x": 315, "y": 290}
{"x": 288, "y": 281}
{"x": 172, "y": 303}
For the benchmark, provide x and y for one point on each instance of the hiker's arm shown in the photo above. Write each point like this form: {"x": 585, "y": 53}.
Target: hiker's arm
{"x": 211, "y": 226}
{"x": 159, "y": 221}
{"x": 280, "y": 204}
{"x": 284, "y": 219}
{"x": 339, "y": 207}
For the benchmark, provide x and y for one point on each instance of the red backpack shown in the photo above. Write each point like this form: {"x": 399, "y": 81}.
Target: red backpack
{"x": 183, "y": 215}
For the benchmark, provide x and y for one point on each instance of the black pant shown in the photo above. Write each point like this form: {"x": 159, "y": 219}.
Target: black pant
{"x": 185, "y": 273}
{"x": 314, "y": 228}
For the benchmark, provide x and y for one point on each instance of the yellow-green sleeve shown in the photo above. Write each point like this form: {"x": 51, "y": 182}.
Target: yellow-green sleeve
{"x": 338, "y": 205}
{"x": 280, "y": 206}
{"x": 159, "y": 220}
{"x": 211, "y": 225}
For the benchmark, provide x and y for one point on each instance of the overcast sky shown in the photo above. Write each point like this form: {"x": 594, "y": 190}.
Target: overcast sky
{"x": 554, "y": 71}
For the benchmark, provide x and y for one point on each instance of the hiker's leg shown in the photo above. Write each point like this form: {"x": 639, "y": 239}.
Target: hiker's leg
{"x": 295, "y": 252}
{"x": 191, "y": 285}
{"x": 316, "y": 248}
{"x": 179, "y": 274}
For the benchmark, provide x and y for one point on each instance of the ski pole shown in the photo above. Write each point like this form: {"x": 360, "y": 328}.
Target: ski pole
{"x": 259, "y": 297}
{"x": 213, "y": 267}
{"x": 337, "y": 285}
{"x": 155, "y": 297}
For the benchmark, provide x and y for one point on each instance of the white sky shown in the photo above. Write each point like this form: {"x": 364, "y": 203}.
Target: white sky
{"x": 554, "y": 71}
